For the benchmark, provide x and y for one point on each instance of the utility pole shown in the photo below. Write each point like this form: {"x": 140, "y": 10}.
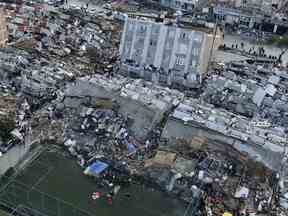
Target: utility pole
{"x": 194, "y": 204}
{"x": 213, "y": 41}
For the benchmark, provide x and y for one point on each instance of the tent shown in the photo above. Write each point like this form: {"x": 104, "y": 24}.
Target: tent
{"x": 96, "y": 168}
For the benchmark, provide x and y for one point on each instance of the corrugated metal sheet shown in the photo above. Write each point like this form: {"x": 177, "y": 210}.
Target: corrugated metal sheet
{"x": 259, "y": 96}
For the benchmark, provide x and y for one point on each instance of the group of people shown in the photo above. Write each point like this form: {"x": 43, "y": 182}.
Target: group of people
{"x": 110, "y": 195}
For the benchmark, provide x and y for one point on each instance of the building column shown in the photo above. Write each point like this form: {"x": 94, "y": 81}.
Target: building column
{"x": 133, "y": 39}
{"x": 275, "y": 28}
{"x": 251, "y": 23}
{"x": 123, "y": 36}
{"x": 160, "y": 46}
{"x": 146, "y": 44}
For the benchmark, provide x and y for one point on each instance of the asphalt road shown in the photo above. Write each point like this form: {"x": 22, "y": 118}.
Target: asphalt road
{"x": 269, "y": 49}
{"x": 95, "y": 5}
{"x": 12, "y": 157}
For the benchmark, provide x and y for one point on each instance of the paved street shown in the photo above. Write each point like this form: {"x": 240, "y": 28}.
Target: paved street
{"x": 269, "y": 49}
{"x": 93, "y": 5}
{"x": 12, "y": 157}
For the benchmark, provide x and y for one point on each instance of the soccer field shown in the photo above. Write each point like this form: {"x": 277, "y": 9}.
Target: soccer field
{"x": 55, "y": 185}
{"x": 2, "y": 213}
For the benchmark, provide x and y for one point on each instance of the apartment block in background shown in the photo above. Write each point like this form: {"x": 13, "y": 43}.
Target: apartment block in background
{"x": 165, "y": 54}
{"x": 179, "y": 4}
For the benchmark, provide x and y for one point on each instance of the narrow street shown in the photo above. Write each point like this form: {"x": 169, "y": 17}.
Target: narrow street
{"x": 269, "y": 49}
{"x": 12, "y": 157}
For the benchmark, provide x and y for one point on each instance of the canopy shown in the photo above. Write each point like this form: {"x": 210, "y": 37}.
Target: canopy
{"x": 96, "y": 168}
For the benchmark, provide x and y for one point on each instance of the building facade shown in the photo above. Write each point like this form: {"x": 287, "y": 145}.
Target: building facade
{"x": 178, "y": 4}
{"x": 248, "y": 20}
{"x": 262, "y": 6}
{"x": 3, "y": 29}
{"x": 164, "y": 54}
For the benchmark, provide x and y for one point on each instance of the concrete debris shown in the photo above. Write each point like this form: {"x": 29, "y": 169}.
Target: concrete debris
{"x": 211, "y": 134}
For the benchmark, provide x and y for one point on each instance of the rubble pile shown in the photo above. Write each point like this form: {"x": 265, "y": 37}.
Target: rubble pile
{"x": 138, "y": 100}
{"x": 91, "y": 40}
{"x": 99, "y": 108}
{"x": 13, "y": 62}
{"x": 50, "y": 94}
{"x": 228, "y": 184}
{"x": 242, "y": 91}
{"x": 41, "y": 83}
{"x": 147, "y": 93}
{"x": 47, "y": 127}
{"x": 99, "y": 131}
{"x": 236, "y": 126}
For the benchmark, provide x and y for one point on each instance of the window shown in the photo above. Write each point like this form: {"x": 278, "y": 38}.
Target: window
{"x": 180, "y": 60}
{"x": 142, "y": 28}
{"x": 130, "y": 27}
{"x": 155, "y": 29}
{"x": 195, "y": 51}
{"x": 193, "y": 63}
{"x": 153, "y": 43}
{"x": 183, "y": 35}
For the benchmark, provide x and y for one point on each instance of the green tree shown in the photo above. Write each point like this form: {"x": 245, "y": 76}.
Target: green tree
{"x": 282, "y": 43}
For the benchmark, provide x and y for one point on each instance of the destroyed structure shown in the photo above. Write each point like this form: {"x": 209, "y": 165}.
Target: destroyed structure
{"x": 250, "y": 90}
{"x": 165, "y": 54}
{"x": 221, "y": 153}
{"x": 186, "y": 5}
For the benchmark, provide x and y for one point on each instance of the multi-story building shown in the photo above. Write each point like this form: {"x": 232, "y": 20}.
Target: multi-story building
{"x": 3, "y": 29}
{"x": 261, "y": 5}
{"x": 254, "y": 6}
{"x": 249, "y": 20}
{"x": 165, "y": 54}
{"x": 178, "y": 4}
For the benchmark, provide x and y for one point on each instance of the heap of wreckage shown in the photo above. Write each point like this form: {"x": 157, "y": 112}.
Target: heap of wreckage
{"x": 134, "y": 129}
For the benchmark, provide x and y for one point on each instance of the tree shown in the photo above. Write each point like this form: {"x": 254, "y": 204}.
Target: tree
{"x": 282, "y": 43}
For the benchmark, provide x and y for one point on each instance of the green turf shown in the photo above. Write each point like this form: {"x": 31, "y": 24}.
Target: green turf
{"x": 2, "y": 213}
{"x": 63, "y": 179}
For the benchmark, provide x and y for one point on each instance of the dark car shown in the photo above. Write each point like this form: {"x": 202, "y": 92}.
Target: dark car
{"x": 7, "y": 146}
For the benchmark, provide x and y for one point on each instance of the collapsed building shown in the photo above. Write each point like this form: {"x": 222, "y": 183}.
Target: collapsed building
{"x": 101, "y": 124}
{"x": 250, "y": 90}
{"x": 119, "y": 120}
{"x": 165, "y": 54}
{"x": 185, "y": 5}
{"x": 231, "y": 125}
{"x": 139, "y": 101}
{"x": 65, "y": 34}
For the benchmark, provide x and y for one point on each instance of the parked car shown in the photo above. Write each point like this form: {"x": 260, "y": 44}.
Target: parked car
{"x": 5, "y": 147}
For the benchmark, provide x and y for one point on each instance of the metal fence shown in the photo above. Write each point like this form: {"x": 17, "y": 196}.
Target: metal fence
{"x": 19, "y": 193}
{"x": 21, "y": 199}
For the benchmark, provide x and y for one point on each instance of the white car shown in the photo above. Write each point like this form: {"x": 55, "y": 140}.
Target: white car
{"x": 107, "y": 6}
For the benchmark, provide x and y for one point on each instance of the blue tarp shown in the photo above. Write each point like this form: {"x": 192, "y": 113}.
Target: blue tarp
{"x": 97, "y": 167}
{"x": 131, "y": 148}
